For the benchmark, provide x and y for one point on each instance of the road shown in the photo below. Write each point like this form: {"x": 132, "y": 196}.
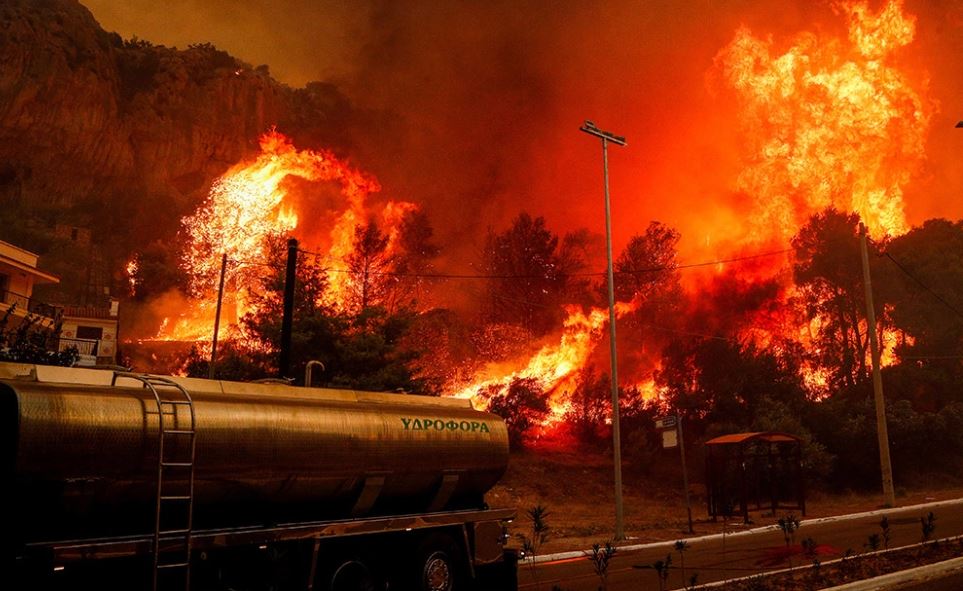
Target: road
{"x": 743, "y": 553}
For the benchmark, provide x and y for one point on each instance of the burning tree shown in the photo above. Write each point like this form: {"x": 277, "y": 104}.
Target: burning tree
{"x": 389, "y": 270}
{"x": 524, "y": 406}
{"x": 370, "y": 265}
{"x": 829, "y": 281}
{"x": 360, "y": 350}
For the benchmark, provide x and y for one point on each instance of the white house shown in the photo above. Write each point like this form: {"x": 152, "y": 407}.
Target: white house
{"x": 18, "y": 275}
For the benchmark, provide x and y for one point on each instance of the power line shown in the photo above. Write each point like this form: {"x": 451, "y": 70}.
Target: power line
{"x": 923, "y": 285}
{"x": 734, "y": 260}
{"x": 255, "y": 263}
{"x": 535, "y": 276}
{"x": 690, "y": 334}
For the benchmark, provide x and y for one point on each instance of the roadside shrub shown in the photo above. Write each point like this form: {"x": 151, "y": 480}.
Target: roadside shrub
{"x": 522, "y": 405}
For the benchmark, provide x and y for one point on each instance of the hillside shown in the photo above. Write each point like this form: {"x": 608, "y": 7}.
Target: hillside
{"x": 124, "y": 137}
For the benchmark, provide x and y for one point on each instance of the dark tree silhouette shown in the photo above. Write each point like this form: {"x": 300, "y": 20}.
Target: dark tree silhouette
{"x": 590, "y": 405}
{"x": 523, "y": 406}
{"x": 363, "y": 350}
{"x": 415, "y": 259}
{"x": 645, "y": 273}
{"x": 829, "y": 276}
{"x": 529, "y": 284}
{"x": 371, "y": 266}
{"x": 646, "y": 268}
{"x": 921, "y": 284}
{"x": 722, "y": 383}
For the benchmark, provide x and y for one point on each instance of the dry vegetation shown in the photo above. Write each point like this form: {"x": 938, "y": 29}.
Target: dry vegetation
{"x": 577, "y": 489}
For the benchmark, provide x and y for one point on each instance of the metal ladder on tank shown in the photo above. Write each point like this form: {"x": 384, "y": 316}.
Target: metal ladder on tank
{"x": 174, "y": 510}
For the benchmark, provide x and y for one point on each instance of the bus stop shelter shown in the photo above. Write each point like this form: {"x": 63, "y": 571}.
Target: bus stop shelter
{"x": 752, "y": 471}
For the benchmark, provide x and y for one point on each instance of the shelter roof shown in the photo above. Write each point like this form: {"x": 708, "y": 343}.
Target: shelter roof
{"x": 737, "y": 438}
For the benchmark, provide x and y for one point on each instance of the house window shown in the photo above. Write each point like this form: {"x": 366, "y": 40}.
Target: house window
{"x": 93, "y": 333}
{"x": 4, "y": 284}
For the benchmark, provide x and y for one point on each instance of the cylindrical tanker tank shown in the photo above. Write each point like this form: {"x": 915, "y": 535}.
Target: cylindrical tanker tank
{"x": 80, "y": 459}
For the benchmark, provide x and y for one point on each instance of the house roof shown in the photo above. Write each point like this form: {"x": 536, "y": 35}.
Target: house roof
{"x": 88, "y": 312}
{"x": 40, "y": 275}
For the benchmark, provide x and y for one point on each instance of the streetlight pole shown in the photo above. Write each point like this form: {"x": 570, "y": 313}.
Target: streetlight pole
{"x": 606, "y": 137}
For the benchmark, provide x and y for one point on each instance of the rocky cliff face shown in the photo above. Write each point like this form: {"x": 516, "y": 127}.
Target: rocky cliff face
{"x": 88, "y": 117}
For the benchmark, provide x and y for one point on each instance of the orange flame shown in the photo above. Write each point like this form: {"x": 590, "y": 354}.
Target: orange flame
{"x": 555, "y": 366}
{"x": 828, "y": 124}
{"x": 249, "y": 204}
{"x": 131, "y": 270}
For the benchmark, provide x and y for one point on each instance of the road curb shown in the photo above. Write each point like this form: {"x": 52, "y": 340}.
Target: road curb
{"x": 920, "y": 574}
{"x": 647, "y": 546}
{"x": 890, "y": 581}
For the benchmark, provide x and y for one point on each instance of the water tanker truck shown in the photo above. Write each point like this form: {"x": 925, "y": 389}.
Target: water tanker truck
{"x": 116, "y": 480}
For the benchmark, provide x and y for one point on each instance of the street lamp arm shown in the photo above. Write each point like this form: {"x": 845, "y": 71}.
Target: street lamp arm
{"x": 591, "y": 129}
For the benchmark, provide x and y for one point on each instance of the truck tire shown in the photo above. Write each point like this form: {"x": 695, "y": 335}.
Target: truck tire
{"x": 350, "y": 575}
{"x": 439, "y": 565}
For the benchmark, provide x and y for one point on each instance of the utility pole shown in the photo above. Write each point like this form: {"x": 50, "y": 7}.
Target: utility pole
{"x": 607, "y": 137}
{"x": 685, "y": 474}
{"x": 217, "y": 317}
{"x": 881, "y": 430}
{"x": 284, "y": 362}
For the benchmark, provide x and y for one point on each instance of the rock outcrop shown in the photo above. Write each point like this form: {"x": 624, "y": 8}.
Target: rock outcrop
{"x": 86, "y": 115}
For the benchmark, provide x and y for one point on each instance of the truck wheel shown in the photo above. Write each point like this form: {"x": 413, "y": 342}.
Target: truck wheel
{"x": 438, "y": 564}
{"x": 437, "y": 573}
{"x": 351, "y": 575}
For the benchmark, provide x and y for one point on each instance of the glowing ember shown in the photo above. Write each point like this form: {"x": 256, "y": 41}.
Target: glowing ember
{"x": 828, "y": 124}
{"x": 131, "y": 270}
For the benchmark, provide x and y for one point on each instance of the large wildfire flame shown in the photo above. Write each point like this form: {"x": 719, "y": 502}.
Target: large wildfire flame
{"x": 554, "y": 367}
{"x": 252, "y": 202}
{"x": 825, "y": 123}
{"x": 828, "y": 123}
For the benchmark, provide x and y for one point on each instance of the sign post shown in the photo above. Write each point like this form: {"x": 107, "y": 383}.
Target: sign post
{"x": 672, "y": 436}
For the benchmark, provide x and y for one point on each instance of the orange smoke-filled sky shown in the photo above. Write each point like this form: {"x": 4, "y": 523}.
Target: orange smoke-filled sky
{"x": 484, "y": 100}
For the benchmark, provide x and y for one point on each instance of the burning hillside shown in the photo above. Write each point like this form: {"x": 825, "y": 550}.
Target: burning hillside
{"x": 826, "y": 122}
